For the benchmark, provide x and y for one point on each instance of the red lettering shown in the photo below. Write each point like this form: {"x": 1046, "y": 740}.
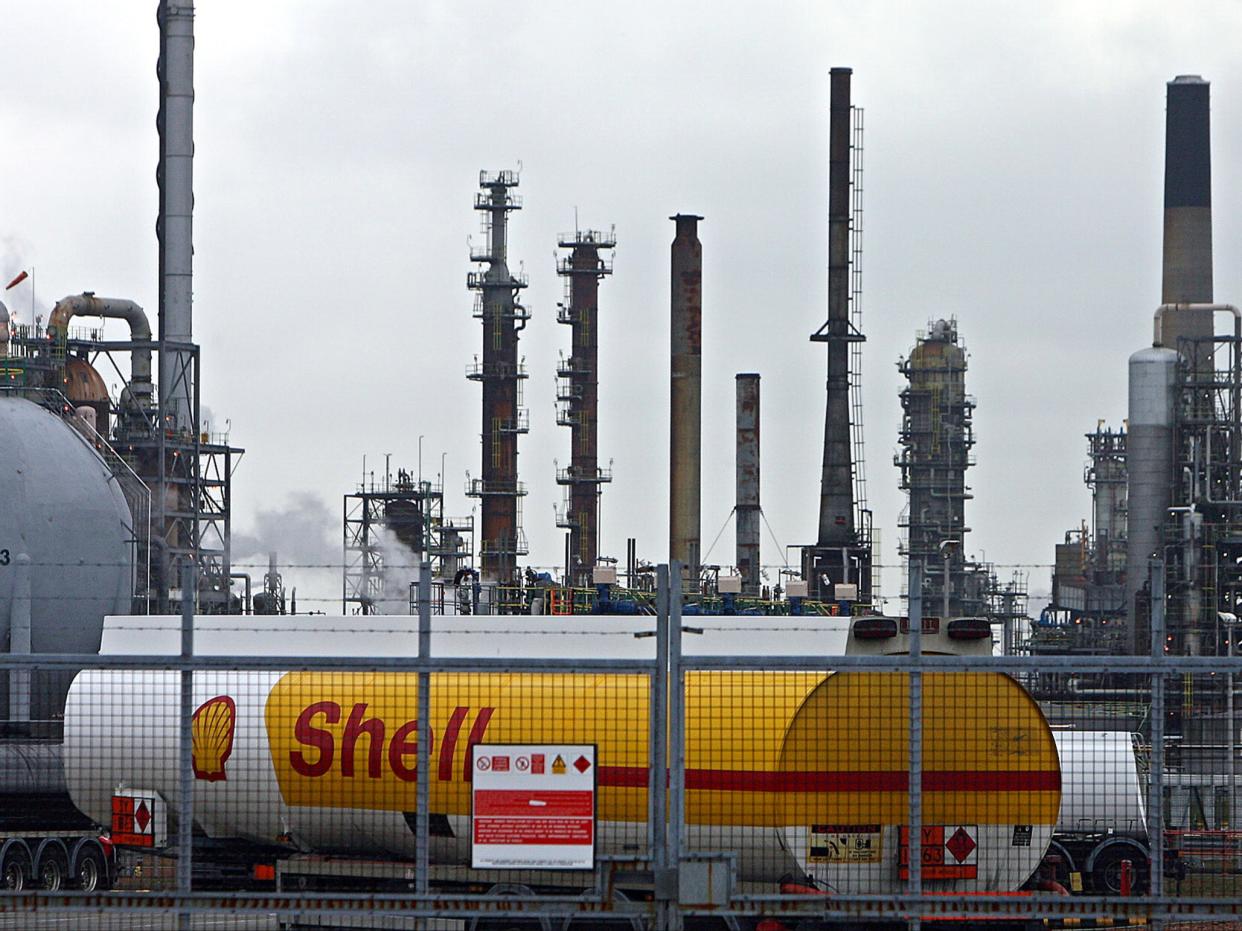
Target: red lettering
{"x": 449, "y": 745}
{"x": 405, "y": 743}
{"x": 355, "y": 727}
{"x": 310, "y": 736}
{"x": 476, "y": 736}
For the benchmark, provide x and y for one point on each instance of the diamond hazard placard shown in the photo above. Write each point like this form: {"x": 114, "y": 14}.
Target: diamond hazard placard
{"x": 533, "y": 807}
{"x": 138, "y": 819}
{"x": 948, "y": 851}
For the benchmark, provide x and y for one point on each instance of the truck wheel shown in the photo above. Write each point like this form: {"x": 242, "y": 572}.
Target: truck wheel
{"x": 90, "y": 873}
{"x": 15, "y": 868}
{"x": 53, "y": 870}
{"x": 1106, "y": 871}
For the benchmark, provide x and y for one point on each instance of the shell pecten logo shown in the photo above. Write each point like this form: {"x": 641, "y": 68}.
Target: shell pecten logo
{"x": 212, "y": 731}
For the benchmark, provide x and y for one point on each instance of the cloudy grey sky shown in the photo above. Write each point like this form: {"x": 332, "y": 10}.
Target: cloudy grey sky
{"x": 1013, "y": 166}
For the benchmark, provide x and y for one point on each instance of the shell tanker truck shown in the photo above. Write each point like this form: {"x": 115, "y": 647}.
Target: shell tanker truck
{"x": 800, "y": 777}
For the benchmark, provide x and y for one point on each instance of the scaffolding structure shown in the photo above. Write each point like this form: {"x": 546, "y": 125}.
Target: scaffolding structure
{"x": 577, "y": 397}
{"x": 389, "y": 527}
{"x": 937, "y": 439}
{"x": 501, "y": 374}
{"x": 1203, "y": 530}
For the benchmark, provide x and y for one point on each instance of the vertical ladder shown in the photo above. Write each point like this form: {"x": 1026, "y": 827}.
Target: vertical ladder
{"x": 856, "y": 243}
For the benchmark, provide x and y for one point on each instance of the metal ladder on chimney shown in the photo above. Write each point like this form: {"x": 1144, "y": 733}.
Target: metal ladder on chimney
{"x": 856, "y": 243}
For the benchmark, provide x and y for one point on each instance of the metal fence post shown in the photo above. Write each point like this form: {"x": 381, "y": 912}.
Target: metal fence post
{"x": 914, "y": 834}
{"x": 657, "y": 744}
{"x": 676, "y": 739}
{"x": 422, "y": 816}
{"x": 185, "y": 773}
{"x": 1155, "y": 781}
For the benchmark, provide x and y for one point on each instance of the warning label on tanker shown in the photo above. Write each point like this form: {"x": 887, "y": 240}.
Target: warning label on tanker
{"x": 529, "y": 814}
{"x": 845, "y": 843}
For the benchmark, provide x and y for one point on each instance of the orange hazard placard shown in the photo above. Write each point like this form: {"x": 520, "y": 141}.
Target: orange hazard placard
{"x": 530, "y": 813}
{"x": 138, "y": 820}
{"x": 948, "y": 851}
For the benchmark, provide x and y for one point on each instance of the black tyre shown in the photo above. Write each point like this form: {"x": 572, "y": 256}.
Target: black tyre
{"x": 53, "y": 871}
{"x": 1106, "y": 871}
{"x": 90, "y": 871}
{"x": 15, "y": 869}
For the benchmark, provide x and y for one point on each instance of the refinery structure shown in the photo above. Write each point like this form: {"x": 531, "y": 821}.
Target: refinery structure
{"x": 1165, "y": 480}
{"x": 1166, "y": 483}
{"x": 121, "y": 505}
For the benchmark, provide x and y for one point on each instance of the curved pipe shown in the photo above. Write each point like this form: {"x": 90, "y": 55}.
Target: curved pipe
{"x": 87, "y": 305}
{"x": 4, "y": 330}
{"x": 1217, "y": 308}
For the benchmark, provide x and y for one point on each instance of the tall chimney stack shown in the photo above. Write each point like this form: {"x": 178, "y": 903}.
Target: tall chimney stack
{"x": 747, "y": 507}
{"x": 841, "y": 555}
{"x": 1187, "y": 209}
{"x": 836, "y": 501}
{"x": 174, "y": 227}
{"x": 687, "y": 394}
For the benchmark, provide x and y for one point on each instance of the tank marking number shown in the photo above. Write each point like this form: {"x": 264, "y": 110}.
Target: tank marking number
{"x": 4, "y": 557}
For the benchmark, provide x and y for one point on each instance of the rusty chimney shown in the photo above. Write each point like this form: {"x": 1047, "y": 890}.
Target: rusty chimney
{"x": 685, "y": 451}
{"x": 747, "y": 508}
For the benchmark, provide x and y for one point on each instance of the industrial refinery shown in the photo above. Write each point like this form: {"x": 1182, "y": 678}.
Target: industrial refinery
{"x": 747, "y": 738}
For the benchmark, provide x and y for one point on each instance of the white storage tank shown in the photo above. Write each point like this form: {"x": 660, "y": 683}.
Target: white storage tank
{"x": 1149, "y": 464}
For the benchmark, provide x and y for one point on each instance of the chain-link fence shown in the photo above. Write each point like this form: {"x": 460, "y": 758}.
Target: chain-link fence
{"x": 641, "y": 772}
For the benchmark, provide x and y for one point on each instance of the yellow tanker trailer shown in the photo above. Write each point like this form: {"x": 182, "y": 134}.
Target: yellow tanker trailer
{"x": 797, "y": 774}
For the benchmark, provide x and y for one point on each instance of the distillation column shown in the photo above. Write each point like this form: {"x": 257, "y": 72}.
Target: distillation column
{"x": 501, "y": 374}
{"x": 577, "y": 395}
{"x": 936, "y": 439}
{"x": 686, "y": 397}
{"x": 747, "y": 507}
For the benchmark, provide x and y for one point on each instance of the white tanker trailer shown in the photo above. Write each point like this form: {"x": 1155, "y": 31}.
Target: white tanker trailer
{"x": 798, "y": 774}
{"x": 1103, "y": 819}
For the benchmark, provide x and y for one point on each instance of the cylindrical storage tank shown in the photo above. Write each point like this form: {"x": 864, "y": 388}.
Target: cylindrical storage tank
{"x": 797, "y": 773}
{"x": 1149, "y": 463}
{"x": 59, "y": 505}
